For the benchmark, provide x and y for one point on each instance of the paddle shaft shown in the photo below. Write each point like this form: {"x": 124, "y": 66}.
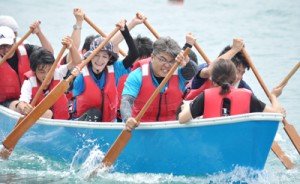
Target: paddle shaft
{"x": 292, "y": 72}
{"x": 126, "y": 135}
{"x": 202, "y": 53}
{"x": 100, "y": 32}
{"x": 151, "y": 29}
{"x": 12, "y": 139}
{"x": 293, "y": 135}
{"x": 15, "y": 46}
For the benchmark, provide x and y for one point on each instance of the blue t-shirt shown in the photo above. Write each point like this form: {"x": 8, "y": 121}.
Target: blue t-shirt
{"x": 198, "y": 81}
{"x": 134, "y": 82}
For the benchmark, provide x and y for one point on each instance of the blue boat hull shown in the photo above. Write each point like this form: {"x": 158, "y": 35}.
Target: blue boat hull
{"x": 196, "y": 148}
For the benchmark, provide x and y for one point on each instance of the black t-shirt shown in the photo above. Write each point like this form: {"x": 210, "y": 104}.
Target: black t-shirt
{"x": 13, "y": 61}
{"x": 159, "y": 79}
{"x": 197, "y": 105}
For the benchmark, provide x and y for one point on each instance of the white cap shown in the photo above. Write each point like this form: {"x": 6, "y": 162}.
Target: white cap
{"x": 9, "y": 21}
{"x": 7, "y": 35}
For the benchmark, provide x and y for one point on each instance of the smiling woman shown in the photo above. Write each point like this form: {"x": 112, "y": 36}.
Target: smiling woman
{"x": 99, "y": 62}
{"x": 95, "y": 90}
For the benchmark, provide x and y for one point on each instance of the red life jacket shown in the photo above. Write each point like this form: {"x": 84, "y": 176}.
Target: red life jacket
{"x": 122, "y": 81}
{"x": 195, "y": 92}
{"x": 60, "y": 107}
{"x": 164, "y": 106}
{"x": 213, "y": 102}
{"x": 92, "y": 96}
{"x": 10, "y": 81}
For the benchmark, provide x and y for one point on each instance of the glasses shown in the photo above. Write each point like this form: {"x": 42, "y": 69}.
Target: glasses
{"x": 164, "y": 61}
{"x": 5, "y": 46}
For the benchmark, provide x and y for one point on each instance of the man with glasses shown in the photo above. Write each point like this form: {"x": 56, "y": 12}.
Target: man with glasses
{"x": 12, "y": 70}
{"x": 142, "y": 82}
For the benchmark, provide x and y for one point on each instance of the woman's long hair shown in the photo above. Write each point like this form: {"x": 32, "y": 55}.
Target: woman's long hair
{"x": 224, "y": 74}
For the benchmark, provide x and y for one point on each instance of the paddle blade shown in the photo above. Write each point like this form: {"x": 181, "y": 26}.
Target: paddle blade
{"x": 5, "y": 153}
{"x": 282, "y": 157}
{"x": 116, "y": 148}
{"x": 12, "y": 139}
{"x": 293, "y": 135}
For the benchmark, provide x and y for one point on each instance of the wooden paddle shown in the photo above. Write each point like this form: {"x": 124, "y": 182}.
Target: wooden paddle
{"x": 287, "y": 78}
{"x": 282, "y": 156}
{"x": 202, "y": 53}
{"x": 46, "y": 81}
{"x": 100, "y": 32}
{"x": 151, "y": 29}
{"x": 288, "y": 127}
{"x": 126, "y": 135}
{"x": 15, "y": 46}
{"x": 11, "y": 140}
{"x": 290, "y": 131}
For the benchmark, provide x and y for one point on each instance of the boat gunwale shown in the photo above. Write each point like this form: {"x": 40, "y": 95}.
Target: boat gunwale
{"x": 153, "y": 125}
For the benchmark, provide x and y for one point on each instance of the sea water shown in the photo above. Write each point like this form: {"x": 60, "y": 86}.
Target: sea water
{"x": 270, "y": 30}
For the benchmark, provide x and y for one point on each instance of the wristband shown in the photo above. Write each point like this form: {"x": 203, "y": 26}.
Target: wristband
{"x": 76, "y": 27}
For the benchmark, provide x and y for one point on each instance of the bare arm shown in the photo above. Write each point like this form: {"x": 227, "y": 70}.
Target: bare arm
{"x": 76, "y": 34}
{"x": 237, "y": 46}
{"x": 76, "y": 59}
{"x": 276, "y": 107}
{"x": 44, "y": 41}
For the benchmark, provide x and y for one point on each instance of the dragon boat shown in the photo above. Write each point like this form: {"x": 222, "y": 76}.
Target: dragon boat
{"x": 199, "y": 147}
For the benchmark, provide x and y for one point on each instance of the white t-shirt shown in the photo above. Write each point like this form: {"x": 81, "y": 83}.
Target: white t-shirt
{"x": 26, "y": 90}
